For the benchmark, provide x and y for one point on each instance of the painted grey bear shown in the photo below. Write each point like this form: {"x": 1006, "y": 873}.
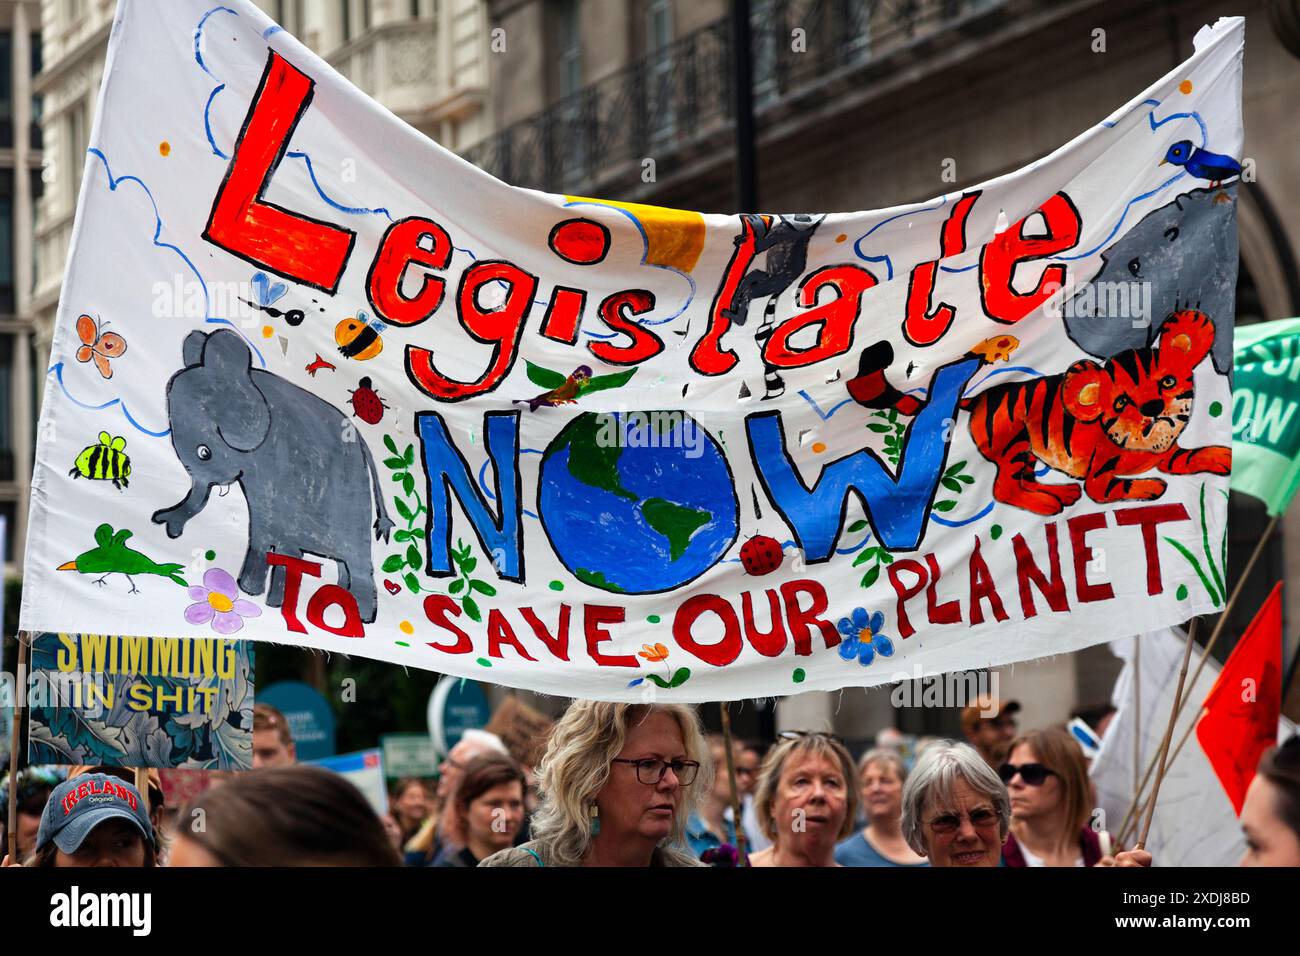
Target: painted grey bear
{"x": 305, "y": 473}
{"x": 1186, "y": 253}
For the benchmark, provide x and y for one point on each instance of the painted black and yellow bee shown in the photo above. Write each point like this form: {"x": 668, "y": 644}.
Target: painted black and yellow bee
{"x": 104, "y": 462}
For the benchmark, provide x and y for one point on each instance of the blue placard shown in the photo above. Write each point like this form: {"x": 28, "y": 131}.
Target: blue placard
{"x": 311, "y": 720}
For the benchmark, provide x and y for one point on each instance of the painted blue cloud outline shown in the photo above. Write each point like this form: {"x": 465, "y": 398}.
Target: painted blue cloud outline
{"x": 57, "y": 369}
{"x": 293, "y": 154}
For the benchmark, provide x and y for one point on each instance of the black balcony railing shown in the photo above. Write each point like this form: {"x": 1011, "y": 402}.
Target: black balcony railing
{"x": 681, "y": 95}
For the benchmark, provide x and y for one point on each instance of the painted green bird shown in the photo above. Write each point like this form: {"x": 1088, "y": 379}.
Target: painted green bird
{"x": 563, "y": 390}
{"x": 112, "y": 556}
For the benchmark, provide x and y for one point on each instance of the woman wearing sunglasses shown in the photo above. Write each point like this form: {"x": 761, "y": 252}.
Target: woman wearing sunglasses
{"x": 806, "y": 800}
{"x": 1047, "y": 780}
{"x": 618, "y": 783}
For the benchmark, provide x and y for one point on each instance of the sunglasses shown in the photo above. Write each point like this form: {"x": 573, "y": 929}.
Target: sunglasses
{"x": 1032, "y": 774}
{"x": 980, "y": 819}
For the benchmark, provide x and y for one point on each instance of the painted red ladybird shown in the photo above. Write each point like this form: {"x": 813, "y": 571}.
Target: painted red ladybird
{"x": 366, "y": 403}
{"x": 761, "y": 555}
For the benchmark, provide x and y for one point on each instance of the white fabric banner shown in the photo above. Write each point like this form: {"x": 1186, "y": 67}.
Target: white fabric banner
{"x": 1194, "y": 823}
{"x": 317, "y": 380}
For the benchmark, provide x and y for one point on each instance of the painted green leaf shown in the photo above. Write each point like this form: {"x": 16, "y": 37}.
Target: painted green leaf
{"x": 544, "y": 377}
{"x": 388, "y": 442}
{"x": 397, "y": 463}
{"x": 863, "y": 558}
{"x": 403, "y": 535}
{"x": 886, "y": 557}
{"x": 871, "y": 576}
{"x": 457, "y": 586}
{"x": 966, "y": 479}
{"x": 409, "y": 455}
{"x": 944, "y": 505}
{"x": 399, "y": 475}
{"x": 413, "y": 556}
{"x": 656, "y": 679}
{"x": 603, "y": 382}
{"x": 403, "y": 509}
{"x": 953, "y": 485}
{"x": 469, "y": 564}
{"x": 412, "y": 582}
{"x": 471, "y": 608}
{"x": 392, "y": 563}
{"x": 682, "y": 675}
{"x": 408, "y": 483}
{"x": 482, "y": 587}
{"x": 858, "y": 525}
{"x": 880, "y": 429}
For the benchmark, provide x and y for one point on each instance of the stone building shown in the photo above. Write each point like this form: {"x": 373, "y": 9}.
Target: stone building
{"x": 862, "y": 105}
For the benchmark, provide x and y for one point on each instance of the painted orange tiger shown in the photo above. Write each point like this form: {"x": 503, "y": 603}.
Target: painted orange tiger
{"x": 1100, "y": 424}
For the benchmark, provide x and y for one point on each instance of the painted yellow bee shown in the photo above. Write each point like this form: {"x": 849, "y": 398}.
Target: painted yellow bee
{"x": 104, "y": 462}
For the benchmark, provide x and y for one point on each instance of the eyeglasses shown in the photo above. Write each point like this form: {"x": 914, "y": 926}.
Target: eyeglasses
{"x": 980, "y": 818}
{"x": 1031, "y": 773}
{"x": 651, "y": 770}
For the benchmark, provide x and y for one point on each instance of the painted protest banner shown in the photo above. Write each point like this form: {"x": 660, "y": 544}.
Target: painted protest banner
{"x": 141, "y": 702}
{"x": 368, "y": 399}
{"x": 1265, "y": 426}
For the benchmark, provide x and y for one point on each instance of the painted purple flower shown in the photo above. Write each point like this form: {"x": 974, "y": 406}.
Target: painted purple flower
{"x": 219, "y": 602}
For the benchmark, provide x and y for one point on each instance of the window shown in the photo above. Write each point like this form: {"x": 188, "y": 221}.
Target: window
{"x": 7, "y": 469}
{"x": 38, "y": 103}
{"x": 77, "y": 131}
{"x": 659, "y": 68}
{"x": 6, "y": 91}
{"x": 569, "y": 82}
{"x": 7, "y": 299}
{"x": 345, "y": 19}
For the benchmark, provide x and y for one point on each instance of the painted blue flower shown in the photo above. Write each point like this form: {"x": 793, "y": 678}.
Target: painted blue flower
{"x": 862, "y": 637}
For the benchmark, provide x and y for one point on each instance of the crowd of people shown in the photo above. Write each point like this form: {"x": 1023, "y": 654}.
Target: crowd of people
{"x": 634, "y": 785}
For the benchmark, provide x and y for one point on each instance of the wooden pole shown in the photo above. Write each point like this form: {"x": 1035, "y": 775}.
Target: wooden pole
{"x": 1137, "y": 711}
{"x": 1172, "y": 757}
{"x": 741, "y": 858}
{"x": 20, "y": 700}
{"x": 1169, "y": 733}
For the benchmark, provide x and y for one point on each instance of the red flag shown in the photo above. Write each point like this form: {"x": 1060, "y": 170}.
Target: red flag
{"x": 1245, "y": 703}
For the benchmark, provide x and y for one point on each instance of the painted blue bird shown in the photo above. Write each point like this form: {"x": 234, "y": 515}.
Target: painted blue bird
{"x": 1202, "y": 163}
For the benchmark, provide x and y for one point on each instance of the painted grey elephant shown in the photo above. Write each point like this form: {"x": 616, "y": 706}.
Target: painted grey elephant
{"x": 305, "y": 473}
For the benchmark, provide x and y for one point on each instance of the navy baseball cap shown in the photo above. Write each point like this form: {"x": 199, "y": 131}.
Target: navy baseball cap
{"x": 79, "y": 805}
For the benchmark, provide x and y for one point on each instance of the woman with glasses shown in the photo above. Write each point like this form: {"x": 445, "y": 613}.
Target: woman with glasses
{"x": 1047, "y": 780}
{"x": 618, "y": 783}
{"x": 1270, "y": 816}
{"x": 881, "y": 775}
{"x": 955, "y": 809}
{"x": 806, "y": 802}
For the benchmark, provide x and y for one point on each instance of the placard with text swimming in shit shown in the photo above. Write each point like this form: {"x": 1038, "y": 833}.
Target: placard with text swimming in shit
{"x": 141, "y": 702}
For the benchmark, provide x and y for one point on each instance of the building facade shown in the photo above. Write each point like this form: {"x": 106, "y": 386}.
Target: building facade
{"x": 863, "y": 105}
{"x": 426, "y": 60}
{"x": 20, "y": 185}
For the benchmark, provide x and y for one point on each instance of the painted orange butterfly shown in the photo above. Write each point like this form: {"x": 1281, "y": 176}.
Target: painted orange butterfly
{"x": 98, "y": 345}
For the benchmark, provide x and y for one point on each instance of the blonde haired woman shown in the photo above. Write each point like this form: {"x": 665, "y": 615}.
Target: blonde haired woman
{"x": 618, "y": 783}
{"x": 806, "y": 801}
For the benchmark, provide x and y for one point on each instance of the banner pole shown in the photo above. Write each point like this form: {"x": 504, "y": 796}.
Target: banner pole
{"x": 741, "y": 859}
{"x": 1205, "y": 654}
{"x": 20, "y": 700}
{"x": 1172, "y": 757}
{"x": 1137, "y": 710}
{"x": 1169, "y": 733}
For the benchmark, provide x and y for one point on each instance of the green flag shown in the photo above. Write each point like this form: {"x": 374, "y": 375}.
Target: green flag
{"x": 1265, "y": 417}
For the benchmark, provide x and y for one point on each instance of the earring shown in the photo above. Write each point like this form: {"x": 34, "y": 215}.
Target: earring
{"x": 595, "y": 820}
